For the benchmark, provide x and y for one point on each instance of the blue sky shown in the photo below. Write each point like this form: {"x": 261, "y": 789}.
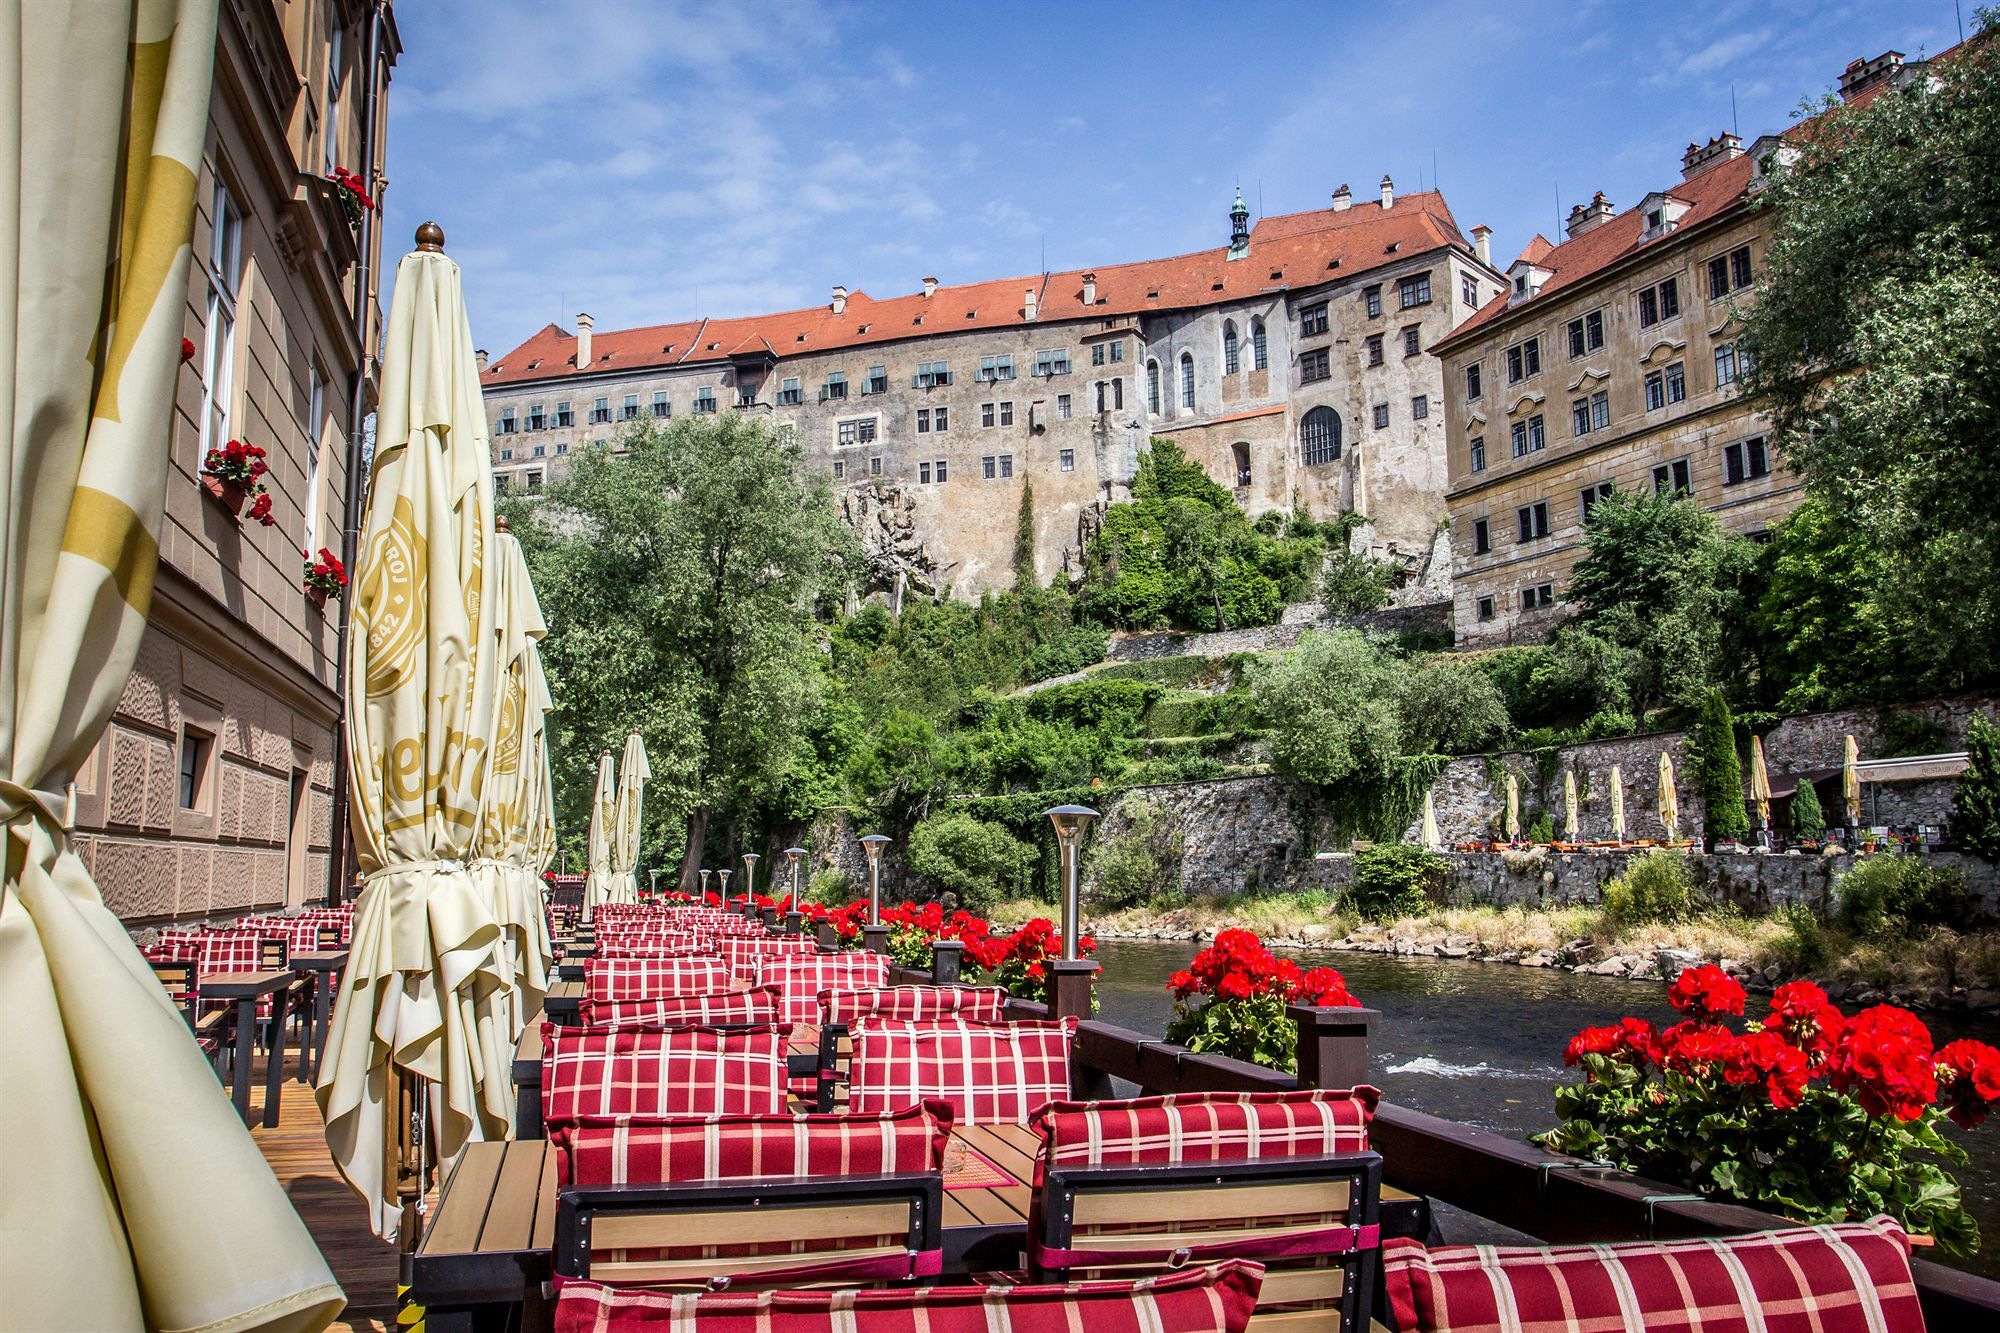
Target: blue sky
{"x": 649, "y": 162}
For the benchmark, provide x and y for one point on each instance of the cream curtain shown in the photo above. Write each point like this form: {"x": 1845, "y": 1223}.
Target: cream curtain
{"x": 505, "y": 865}
{"x": 603, "y": 817}
{"x": 632, "y": 774}
{"x": 121, "y": 1156}
{"x": 427, "y": 988}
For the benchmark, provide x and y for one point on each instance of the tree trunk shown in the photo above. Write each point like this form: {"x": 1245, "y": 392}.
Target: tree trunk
{"x": 1215, "y": 594}
{"x": 697, "y": 827}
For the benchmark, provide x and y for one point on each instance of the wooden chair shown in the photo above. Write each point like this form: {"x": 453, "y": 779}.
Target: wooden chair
{"x": 843, "y": 1231}
{"x": 1314, "y": 1222}
{"x": 326, "y": 936}
{"x": 288, "y": 1005}
{"x": 213, "y": 1030}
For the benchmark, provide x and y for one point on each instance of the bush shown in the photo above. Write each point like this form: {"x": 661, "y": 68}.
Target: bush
{"x": 1884, "y": 896}
{"x": 1808, "y": 821}
{"x": 981, "y": 863}
{"x": 1332, "y": 706}
{"x": 1541, "y": 828}
{"x": 830, "y": 886}
{"x": 1450, "y": 709}
{"x": 1355, "y": 584}
{"x": 1393, "y": 879}
{"x": 1111, "y": 705}
{"x": 1072, "y": 650}
{"x": 1141, "y": 863}
{"x": 1609, "y": 723}
{"x": 1719, "y": 775}
{"x": 1656, "y": 887}
{"x": 1804, "y": 948}
{"x": 1975, "y": 810}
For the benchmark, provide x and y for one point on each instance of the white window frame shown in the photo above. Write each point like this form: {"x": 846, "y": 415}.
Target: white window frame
{"x": 225, "y": 277}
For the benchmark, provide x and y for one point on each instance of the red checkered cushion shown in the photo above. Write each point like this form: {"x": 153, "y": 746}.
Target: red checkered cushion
{"x": 800, "y": 981}
{"x": 986, "y": 1003}
{"x": 991, "y": 1073}
{"x": 231, "y": 951}
{"x": 666, "y": 1011}
{"x": 1847, "y": 1278}
{"x": 745, "y": 953}
{"x": 687, "y": 1071}
{"x": 626, "y": 1152}
{"x": 300, "y": 933}
{"x": 1204, "y": 1127}
{"x": 652, "y": 978}
{"x": 1219, "y": 1299}
{"x": 650, "y": 946}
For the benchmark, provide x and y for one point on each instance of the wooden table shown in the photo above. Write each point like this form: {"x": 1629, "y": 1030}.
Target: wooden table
{"x": 321, "y": 966}
{"x": 490, "y": 1238}
{"x": 562, "y": 1003}
{"x": 801, "y": 1061}
{"x": 244, "y": 989}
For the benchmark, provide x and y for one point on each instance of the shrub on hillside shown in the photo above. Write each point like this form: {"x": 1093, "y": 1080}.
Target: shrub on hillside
{"x": 1449, "y": 709}
{"x": 1070, "y": 651}
{"x": 1332, "y": 707}
{"x": 981, "y": 863}
{"x": 1355, "y": 584}
{"x": 1141, "y": 863}
{"x": 1113, "y": 705}
{"x": 829, "y": 886}
{"x": 1656, "y": 887}
{"x": 1975, "y": 810}
{"x": 1885, "y": 896}
{"x": 1393, "y": 879}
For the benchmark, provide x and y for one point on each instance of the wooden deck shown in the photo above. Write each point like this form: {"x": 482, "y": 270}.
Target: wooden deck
{"x": 364, "y": 1266}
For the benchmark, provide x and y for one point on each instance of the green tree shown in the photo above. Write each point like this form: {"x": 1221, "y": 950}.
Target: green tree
{"x": 1808, "y": 820}
{"x": 979, "y": 862}
{"x": 1355, "y": 584}
{"x": 1830, "y": 640}
{"x": 1332, "y": 706}
{"x": 1024, "y": 539}
{"x": 1448, "y": 708}
{"x": 680, "y": 577}
{"x": 1975, "y": 809}
{"x": 1657, "y": 587}
{"x": 1872, "y": 341}
{"x": 1719, "y": 773}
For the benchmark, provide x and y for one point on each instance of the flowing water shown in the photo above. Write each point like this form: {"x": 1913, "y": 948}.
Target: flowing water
{"x": 1482, "y": 1043}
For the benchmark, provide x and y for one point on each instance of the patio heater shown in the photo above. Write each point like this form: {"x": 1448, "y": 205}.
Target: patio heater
{"x": 873, "y": 844}
{"x": 750, "y": 860}
{"x": 1070, "y": 821}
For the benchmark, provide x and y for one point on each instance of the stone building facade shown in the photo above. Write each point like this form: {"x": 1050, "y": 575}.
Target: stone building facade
{"x": 1292, "y": 363}
{"x": 1611, "y": 361}
{"x": 211, "y": 791}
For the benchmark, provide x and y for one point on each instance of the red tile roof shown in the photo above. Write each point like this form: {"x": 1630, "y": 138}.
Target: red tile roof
{"x": 1292, "y": 251}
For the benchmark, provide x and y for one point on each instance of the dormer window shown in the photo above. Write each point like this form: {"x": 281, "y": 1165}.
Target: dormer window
{"x": 1527, "y": 278}
{"x": 1662, "y": 212}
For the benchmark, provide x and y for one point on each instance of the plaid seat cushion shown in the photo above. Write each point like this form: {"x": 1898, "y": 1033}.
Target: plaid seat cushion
{"x": 991, "y": 1073}
{"x": 744, "y": 953}
{"x": 985, "y": 1003}
{"x": 666, "y": 1011}
{"x": 653, "y": 978}
{"x": 649, "y": 946}
{"x": 800, "y": 980}
{"x": 1217, "y": 1299}
{"x": 623, "y": 1151}
{"x": 300, "y": 933}
{"x": 687, "y": 1071}
{"x": 1847, "y": 1278}
{"x": 1204, "y": 1127}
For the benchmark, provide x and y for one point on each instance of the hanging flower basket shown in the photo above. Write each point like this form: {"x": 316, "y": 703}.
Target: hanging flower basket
{"x": 325, "y": 577}
{"x": 352, "y": 192}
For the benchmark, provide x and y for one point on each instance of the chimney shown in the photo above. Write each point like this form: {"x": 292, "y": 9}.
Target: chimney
{"x": 1090, "y": 289}
{"x": 839, "y": 300}
{"x": 1861, "y": 75}
{"x": 1028, "y": 304}
{"x": 583, "y": 327}
{"x": 1388, "y": 192}
{"x": 1343, "y": 198}
{"x": 1482, "y": 244}
{"x": 1585, "y": 217}
{"x": 1700, "y": 157}
{"x": 930, "y": 288}
{"x": 479, "y": 359}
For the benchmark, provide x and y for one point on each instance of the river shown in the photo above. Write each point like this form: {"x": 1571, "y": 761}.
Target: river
{"x": 1482, "y": 1043}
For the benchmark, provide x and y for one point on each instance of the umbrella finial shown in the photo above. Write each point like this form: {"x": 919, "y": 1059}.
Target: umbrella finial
{"x": 430, "y": 236}
{"x": 500, "y": 523}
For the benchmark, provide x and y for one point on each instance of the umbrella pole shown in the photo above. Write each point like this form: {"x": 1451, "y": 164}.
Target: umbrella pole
{"x": 412, "y": 1148}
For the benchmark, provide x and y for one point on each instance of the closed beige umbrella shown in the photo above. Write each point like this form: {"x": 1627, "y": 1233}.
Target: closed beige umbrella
{"x": 1850, "y": 782}
{"x": 541, "y": 788}
{"x": 603, "y": 819}
{"x": 1569, "y": 805}
{"x": 426, "y": 992}
{"x": 1670, "y": 801}
{"x": 1760, "y": 783}
{"x": 632, "y": 774}
{"x": 1617, "y": 804}
{"x": 131, "y": 1196}
{"x": 1513, "y": 809}
{"x": 505, "y": 858}
{"x": 1430, "y": 826}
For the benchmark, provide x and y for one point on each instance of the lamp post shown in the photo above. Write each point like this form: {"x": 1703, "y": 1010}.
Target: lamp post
{"x": 873, "y": 844}
{"x": 706, "y": 873}
{"x": 750, "y": 860}
{"x": 1074, "y": 974}
{"x": 723, "y": 876}
{"x": 794, "y": 858}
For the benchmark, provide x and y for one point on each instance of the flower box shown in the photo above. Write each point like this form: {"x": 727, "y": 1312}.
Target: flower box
{"x": 228, "y": 494}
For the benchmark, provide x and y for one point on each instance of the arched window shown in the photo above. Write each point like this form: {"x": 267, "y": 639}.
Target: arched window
{"x": 1259, "y": 358}
{"x": 1241, "y": 451}
{"x": 1153, "y": 387}
{"x": 1231, "y": 362}
{"x": 1187, "y": 380}
{"x": 1319, "y": 436}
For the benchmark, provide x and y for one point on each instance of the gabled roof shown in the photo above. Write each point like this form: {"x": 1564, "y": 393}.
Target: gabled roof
{"x": 1292, "y": 251}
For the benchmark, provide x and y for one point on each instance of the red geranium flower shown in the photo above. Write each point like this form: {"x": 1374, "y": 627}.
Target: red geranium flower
{"x": 1706, "y": 992}
{"x": 187, "y": 350}
{"x": 1630, "y": 1040}
{"x": 1697, "y": 1049}
{"x": 1884, "y": 1062}
{"x": 1768, "y": 1057}
{"x": 1968, "y": 1075}
{"x": 260, "y": 509}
